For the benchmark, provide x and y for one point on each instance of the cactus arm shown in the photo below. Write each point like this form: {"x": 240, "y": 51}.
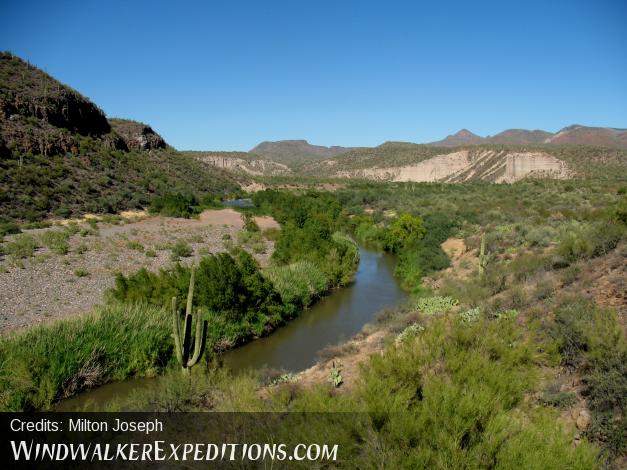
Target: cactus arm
{"x": 200, "y": 341}
{"x": 483, "y": 258}
{"x": 187, "y": 339}
{"x": 176, "y": 329}
{"x": 190, "y": 293}
{"x": 183, "y": 351}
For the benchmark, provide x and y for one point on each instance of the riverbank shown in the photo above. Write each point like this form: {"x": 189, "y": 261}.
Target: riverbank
{"x": 295, "y": 345}
{"x": 240, "y": 302}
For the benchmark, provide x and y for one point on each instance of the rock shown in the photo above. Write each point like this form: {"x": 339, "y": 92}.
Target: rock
{"x": 583, "y": 420}
{"x": 136, "y": 135}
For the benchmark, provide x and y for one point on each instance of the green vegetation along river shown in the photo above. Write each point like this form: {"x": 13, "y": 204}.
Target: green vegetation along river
{"x": 293, "y": 347}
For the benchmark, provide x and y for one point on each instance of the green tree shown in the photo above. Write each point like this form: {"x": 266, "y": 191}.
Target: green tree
{"x": 406, "y": 230}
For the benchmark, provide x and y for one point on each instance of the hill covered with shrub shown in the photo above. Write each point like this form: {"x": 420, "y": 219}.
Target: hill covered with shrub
{"x": 60, "y": 156}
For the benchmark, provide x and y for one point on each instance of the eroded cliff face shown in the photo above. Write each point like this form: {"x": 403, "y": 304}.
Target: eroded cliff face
{"x": 252, "y": 166}
{"x": 136, "y": 135}
{"x": 470, "y": 165}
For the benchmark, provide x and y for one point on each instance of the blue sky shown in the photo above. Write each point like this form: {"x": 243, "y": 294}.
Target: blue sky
{"x": 227, "y": 75}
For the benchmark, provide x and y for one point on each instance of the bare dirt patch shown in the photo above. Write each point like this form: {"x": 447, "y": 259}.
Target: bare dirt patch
{"x": 454, "y": 247}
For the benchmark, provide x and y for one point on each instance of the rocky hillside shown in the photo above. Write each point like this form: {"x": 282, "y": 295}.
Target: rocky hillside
{"x": 293, "y": 152}
{"x": 61, "y": 156}
{"x": 242, "y": 162}
{"x": 470, "y": 165}
{"x": 571, "y": 135}
{"x": 39, "y": 115}
{"x": 399, "y": 161}
{"x": 582, "y": 135}
{"x": 136, "y": 135}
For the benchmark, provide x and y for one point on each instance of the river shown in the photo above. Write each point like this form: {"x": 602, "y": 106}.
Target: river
{"x": 294, "y": 347}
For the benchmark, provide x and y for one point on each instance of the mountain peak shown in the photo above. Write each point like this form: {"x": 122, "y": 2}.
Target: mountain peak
{"x": 292, "y": 151}
{"x": 465, "y": 133}
{"x": 575, "y": 134}
{"x": 461, "y": 137}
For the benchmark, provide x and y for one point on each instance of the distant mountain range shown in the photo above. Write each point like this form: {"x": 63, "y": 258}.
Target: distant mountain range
{"x": 299, "y": 152}
{"x": 291, "y": 151}
{"x": 571, "y": 135}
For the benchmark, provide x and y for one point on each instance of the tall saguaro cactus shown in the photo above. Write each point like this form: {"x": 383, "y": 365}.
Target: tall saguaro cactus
{"x": 483, "y": 257}
{"x": 183, "y": 344}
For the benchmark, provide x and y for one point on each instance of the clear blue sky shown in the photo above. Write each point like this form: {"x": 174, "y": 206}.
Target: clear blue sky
{"x": 226, "y": 75}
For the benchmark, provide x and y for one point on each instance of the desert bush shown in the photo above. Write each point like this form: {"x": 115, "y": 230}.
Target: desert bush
{"x": 552, "y": 396}
{"x": 56, "y": 241}
{"x": 433, "y": 305}
{"x": 81, "y": 272}
{"x": 606, "y": 394}
{"x": 406, "y": 230}
{"x": 181, "y": 250}
{"x": 469, "y": 414}
{"x": 249, "y": 222}
{"x": 272, "y": 234}
{"x": 22, "y": 246}
{"x": 8, "y": 228}
{"x": 590, "y": 339}
{"x": 586, "y": 241}
{"x": 241, "y": 301}
{"x": 134, "y": 245}
{"x": 541, "y": 236}
{"x": 175, "y": 204}
{"x": 82, "y": 248}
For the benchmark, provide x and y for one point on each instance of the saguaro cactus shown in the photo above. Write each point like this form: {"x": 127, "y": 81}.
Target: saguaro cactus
{"x": 183, "y": 344}
{"x": 483, "y": 257}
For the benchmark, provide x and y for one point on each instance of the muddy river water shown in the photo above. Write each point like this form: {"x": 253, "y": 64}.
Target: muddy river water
{"x": 293, "y": 347}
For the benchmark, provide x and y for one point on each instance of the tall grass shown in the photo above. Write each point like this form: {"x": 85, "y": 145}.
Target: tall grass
{"x": 22, "y": 246}
{"x": 298, "y": 283}
{"x": 56, "y": 241}
{"x": 45, "y": 363}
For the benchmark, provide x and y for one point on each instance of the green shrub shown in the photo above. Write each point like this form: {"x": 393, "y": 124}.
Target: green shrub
{"x": 134, "y": 245}
{"x": 466, "y": 415}
{"x": 406, "y": 230}
{"x": 175, "y": 205}
{"x": 591, "y": 339}
{"x": 82, "y": 248}
{"x": 606, "y": 394}
{"x": 298, "y": 283}
{"x": 56, "y": 241}
{"x": 309, "y": 226}
{"x": 552, "y": 396}
{"x": 8, "y": 228}
{"x": 22, "y": 246}
{"x": 433, "y": 305}
{"x": 181, "y": 250}
{"x": 249, "y": 222}
{"x": 81, "y": 272}
{"x": 242, "y": 301}
{"x": 582, "y": 242}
